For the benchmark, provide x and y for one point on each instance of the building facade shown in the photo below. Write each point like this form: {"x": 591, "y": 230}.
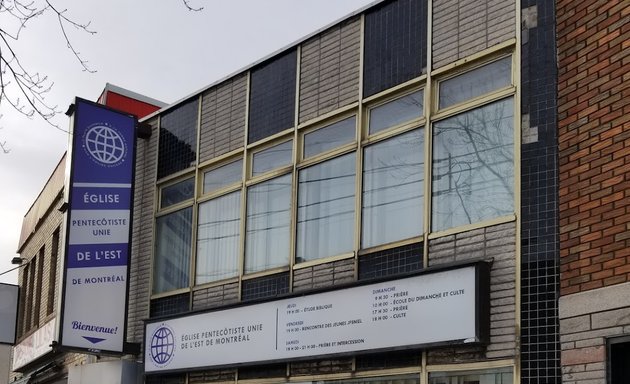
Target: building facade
{"x": 410, "y": 138}
{"x": 406, "y": 145}
{"x": 594, "y": 145}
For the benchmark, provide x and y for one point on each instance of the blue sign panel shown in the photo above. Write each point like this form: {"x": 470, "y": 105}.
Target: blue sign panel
{"x": 98, "y": 229}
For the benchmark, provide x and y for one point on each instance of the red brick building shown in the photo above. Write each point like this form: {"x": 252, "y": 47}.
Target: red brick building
{"x": 594, "y": 151}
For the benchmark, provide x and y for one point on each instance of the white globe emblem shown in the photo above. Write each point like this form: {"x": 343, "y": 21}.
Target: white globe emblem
{"x": 104, "y": 144}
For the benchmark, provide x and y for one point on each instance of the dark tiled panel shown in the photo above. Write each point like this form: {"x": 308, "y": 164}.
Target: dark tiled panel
{"x": 262, "y": 372}
{"x": 212, "y": 376}
{"x": 388, "y": 360}
{"x": 391, "y": 262}
{"x": 395, "y": 44}
{"x": 171, "y": 305}
{"x": 178, "y": 139}
{"x": 272, "y": 96}
{"x": 539, "y": 204}
{"x": 166, "y": 379}
{"x": 265, "y": 287}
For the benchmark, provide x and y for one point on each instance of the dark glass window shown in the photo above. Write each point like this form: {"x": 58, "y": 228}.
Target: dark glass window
{"x": 618, "y": 358}
{"x": 178, "y": 139}
{"x": 178, "y": 192}
{"x": 266, "y": 286}
{"x": 172, "y": 251}
{"x": 395, "y": 44}
{"x": 272, "y": 96}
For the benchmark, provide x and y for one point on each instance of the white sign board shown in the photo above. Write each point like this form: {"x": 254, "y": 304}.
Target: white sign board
{"x": 34, "y": 346}
{"x": 431, "y": 308}
{"x": 8, "y": 312}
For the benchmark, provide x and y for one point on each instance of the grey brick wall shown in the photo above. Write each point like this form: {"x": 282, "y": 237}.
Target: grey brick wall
{"x": 142, "y": 234}
{"x": 323, "y": 275}
{"x": 215, "y": 296}
{"x": 497, "y": 242}
{"x": 464, "y": 27}
{"x": 329, "y": 70}
{"x": 587, "y": 319}
{"x": 223, "y": 118}
{"x": 41, "y": 237}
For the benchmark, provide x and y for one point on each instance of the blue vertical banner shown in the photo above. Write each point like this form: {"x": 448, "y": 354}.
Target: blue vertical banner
{"x": 98, "y": 229}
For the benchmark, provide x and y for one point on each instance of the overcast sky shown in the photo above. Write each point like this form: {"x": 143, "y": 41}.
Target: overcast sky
{"x": 162, "y": 51}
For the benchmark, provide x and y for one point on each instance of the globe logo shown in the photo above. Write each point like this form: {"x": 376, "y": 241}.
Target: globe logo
{"x": 162, "y": 346}
{"x": 104, "y": 145}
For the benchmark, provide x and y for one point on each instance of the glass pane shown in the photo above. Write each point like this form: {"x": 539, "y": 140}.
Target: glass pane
{"x": 398, "y": 379}
{"x": 393, "y": 180}
{"x": 177, "y": 193}
{"x": 473, "y": 166}
{"x": 173, "y": 238}
{"x": 218, "y": 238}
{"x": 475, "y": 83}
{"x": 272, "y": 158}
{"x": 325, "y": 224}
{"x": 396, "y": 112}
{"x": 223, "y": 176}
{"x": 330, "y": 137}
{"x": 486, "y": 376}
{"x": 268, "y": 219}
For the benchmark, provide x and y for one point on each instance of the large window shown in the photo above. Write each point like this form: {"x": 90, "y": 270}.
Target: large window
{"x": 473, "y": 166}
{"x": 486, "y": 376}
{"x": 371, "y": 180}
{"x": 171, "y": 268}
{"x": 268, "y": 225}
{"x": 218, "y": 238}
{"x": 325, "y": 224}
{"x": 393, "y": 179}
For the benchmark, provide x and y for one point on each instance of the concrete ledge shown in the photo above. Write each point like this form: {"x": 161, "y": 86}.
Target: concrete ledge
{"x": 596, "y": 300}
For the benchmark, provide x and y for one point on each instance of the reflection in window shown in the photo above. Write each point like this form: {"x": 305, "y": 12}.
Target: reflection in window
{"x": 326, "y": 209}
{"x": 393, "y": 182}
{"x": 223, "y": 176}
{"x": 473, "y": 166}
{"x": 218, "y": 238}
{"x": 272, "y": 158}
{"x": 330, "y": 137}
{"x": 396, "y": 112}
{"x": 475, "y": 83}
{"x": 486, "y": 376}
{"x": 176, "y": 193}
{"x": 397, "y": 379}
{"x": 172, "y": 251}
{"x": 268, "y": 219}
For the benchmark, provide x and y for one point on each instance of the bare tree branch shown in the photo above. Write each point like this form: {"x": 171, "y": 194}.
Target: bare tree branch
{"x": 22, "y": 88}
{"x": 191, "y": 8}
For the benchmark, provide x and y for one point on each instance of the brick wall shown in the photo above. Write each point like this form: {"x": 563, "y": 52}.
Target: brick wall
{"x": 586, "y": 320}
{"x": 594, "y": 143}
{"x": 223, "y": 118}
{"x": 499, "y": 243}
{"x": 329, "y": 70}
{"x": 42, "y": 237}
{"x": 142, "y": 235}
{"x": 464, "y": 27}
